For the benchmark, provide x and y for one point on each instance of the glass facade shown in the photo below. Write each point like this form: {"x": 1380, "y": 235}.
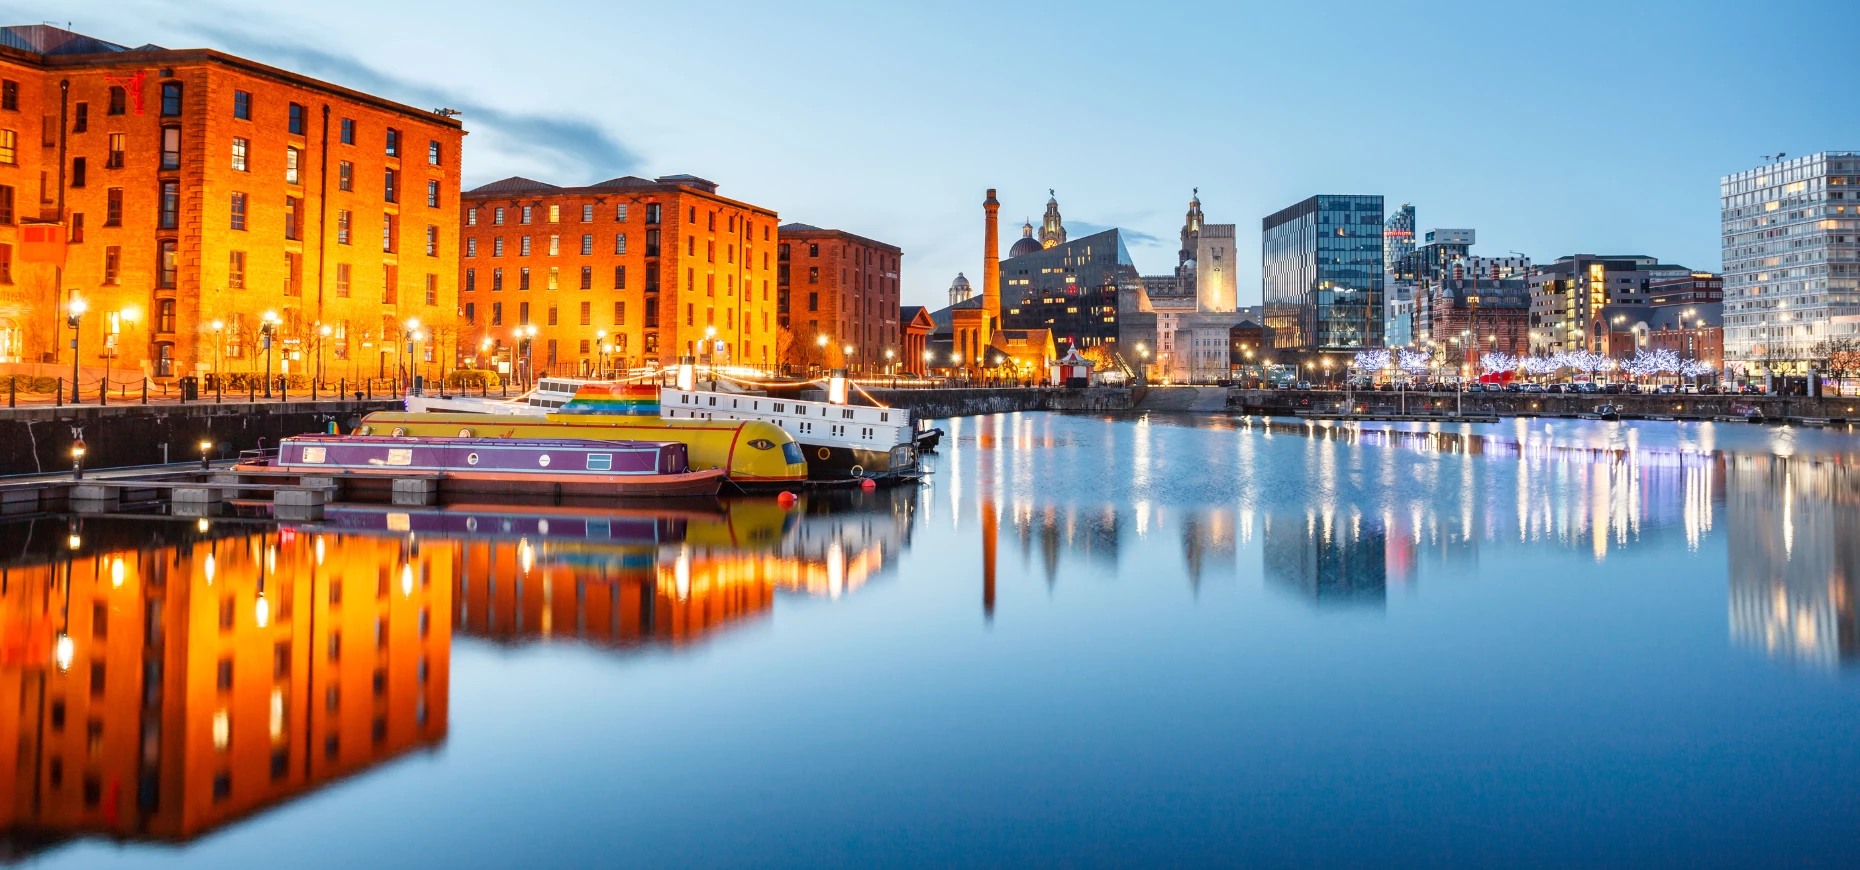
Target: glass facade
{"x": 1071, "y": 288}
{"x": 1791, "y": 243}
{"x": 1321, "y": 273}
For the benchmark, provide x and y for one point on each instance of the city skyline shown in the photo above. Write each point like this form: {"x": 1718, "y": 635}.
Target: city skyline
{"x": 909, "y": 169}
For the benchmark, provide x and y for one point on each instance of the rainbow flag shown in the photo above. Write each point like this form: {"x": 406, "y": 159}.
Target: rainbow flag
{"x": 614, "y": 400}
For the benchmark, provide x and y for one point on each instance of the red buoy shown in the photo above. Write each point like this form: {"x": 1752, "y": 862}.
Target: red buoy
{"x": 868, "y": 484}
{"x": 786, "y": 499}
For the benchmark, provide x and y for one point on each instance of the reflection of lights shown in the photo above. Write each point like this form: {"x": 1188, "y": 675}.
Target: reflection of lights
{"x": 261, "y": 611}
{"x": 201, "y": 524}
{"x": 406, "y": 580}
{"x": 319, "y": 549}
{"x": 116, "y": 573}
{"x": 222, "y": 730}
{"x": 63, "y": 651}
{"x": 526, "y": 555}
{"x": 73, "y": 541}
{"x": 271, "y": 560}
{"x": 836, "y": 569}
{"x": 208, "y": 567}
{"x": 277, "y": 714}
{"x": 681, "y": 573}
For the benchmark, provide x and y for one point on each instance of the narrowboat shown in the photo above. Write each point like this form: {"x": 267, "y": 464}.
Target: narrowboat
{"x": 506, "y": 465}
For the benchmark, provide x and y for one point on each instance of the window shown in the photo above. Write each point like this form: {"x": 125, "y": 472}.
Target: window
{"x": 293, "y": 274}
{"x": 555, "y": 246}
{"x": 471, "y": 280}
{"x": 587, "y": 214}
{"x": 387, "y": 233}
{"x": 6, "y": 264}
{"x": 619, "y": 313}
{"x": 619, "y": 210}
{"x": 432, "y": 240}
{"x": 342, "y": 226}
{"x": 164, "y": 315}
{"x": 292, "y": 158}
{"x": 296, "y": 123}
{"x": 587, "y": 277}
{"x": 587, "y": 245}
{"x": 471, "y": 310}
{"x": 652, "y": 243}
{"x": 813, "y": 301}
{"x": 471, "y": 216}
{"x": 80, "y": 119}
{"x": 290, "y": 217}
{"x": 432, "y": 194}
{"x": 238, "y": 211}
{"x": 390, "y": 284}
{"x": 77, "y": 227}
{"x": 165, "y": 265}
{"x": 471, "y": 247}
{"x": 345, "y": 175}
{"x": 497, "y": 280}
{"x": 524, "y": 216}
{"x": 690, "y": 317}
{"x": 6, "y": 203}
{"x": 388, "y": 192}
{"x": 587, "y": 314}
{"x": 652, "y": 277}
{"x": 523, "y": 278}
{"x": 552, "y": 314}
{"x": 497, "y": 216}
{"x": 242, "y": 105}
{"x": 432, "y": 153}
{"x": 112, "y": 264}
{"x": 555, "y": 214}
{"x": 497, "y": 246}
{"x": 119, "y": 100}
{"x": 78, "y": 165}
{"x": 170, "y": 99}
{"x": 813, "y": 274}
{"x": 497, "y": 314}
{"x": 432, "y": 296}
{"x": 240, "y": 149}
{"x": 112, "y": 213}
{"x": 342, "y": 280}
{"x": 9, "y": 146}
{"x": 554, "y": 274}
{"x": 620, "y": 243}
{"x": 171, "y": 148}
{"x": 9, "y": 95}
{"x": 348, "y": 131}
{"x": 170, "y": 205}
{"x": 523, "y": 313}
{"x": 619, "y": 277}
{"x": 393, "y": 142}
{"x": 652, "y": 213}
{"x": 235, "y": 270}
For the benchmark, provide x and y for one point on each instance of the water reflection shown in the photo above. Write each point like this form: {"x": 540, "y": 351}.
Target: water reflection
{"x": 1794, "y": 558}
{"x": 170, "y": 680}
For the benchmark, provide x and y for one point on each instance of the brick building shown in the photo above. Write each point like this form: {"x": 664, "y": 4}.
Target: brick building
{"x": 841, "y": 287}
{"x": 616, "y": 274}
{"x": 198, "y": 191}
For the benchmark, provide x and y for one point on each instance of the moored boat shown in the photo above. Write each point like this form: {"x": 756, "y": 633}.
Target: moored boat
{"x": 506, "y": 465}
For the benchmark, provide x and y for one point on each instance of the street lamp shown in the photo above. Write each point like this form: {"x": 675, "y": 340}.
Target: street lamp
{"x": 266, "y": 331}
{"x": 323, "y": 332}
{"x": 126, "y": 314}
{"x": 600, "y": 353}
{"x": 74, "y": 317}
{"x": 219, "y": 344}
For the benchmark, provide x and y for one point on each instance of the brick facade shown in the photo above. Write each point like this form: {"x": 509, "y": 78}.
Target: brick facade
{"x": 841, "y": 287}
{"x": 206, "y": 141}
{"x": 652, "y": 264}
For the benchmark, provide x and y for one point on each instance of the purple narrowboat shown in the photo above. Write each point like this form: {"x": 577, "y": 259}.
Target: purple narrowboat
{"x": 513, "y": 465}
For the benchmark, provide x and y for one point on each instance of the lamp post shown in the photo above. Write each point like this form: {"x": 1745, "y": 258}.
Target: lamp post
{"x": 846, "y": 357}
{"x": 266, "y": 330}
{"x": 820, "y": 341}
{"x": 529, "y": 359}
{"x": 887, "y": 360}
{"x": 413, "y": 358}
{"x": 74, "y": 318}
{"x": 600, "y": 353}
{"x": 323, "y": 332}
{"x": 126, "y": 314}
{"x": 219, "y": 346}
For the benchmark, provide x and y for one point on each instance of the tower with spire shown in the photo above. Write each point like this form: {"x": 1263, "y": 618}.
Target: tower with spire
{"x": 1052, "y": 232}
{"x": 1191, "y": 237}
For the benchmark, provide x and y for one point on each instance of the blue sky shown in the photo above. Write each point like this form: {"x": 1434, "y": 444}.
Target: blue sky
{"x": 1550, "y": 128}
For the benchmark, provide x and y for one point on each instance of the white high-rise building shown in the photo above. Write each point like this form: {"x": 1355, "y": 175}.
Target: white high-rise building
{"x": 1791, "y": 259}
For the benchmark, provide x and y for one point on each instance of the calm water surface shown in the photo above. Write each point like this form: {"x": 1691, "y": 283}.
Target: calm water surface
{"x": 1088, "y": 641}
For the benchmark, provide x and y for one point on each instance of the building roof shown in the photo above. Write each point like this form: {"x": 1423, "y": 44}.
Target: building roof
{"x": 798, "y": 228}
{"x": 807, "y": 231}
{"x": 942, "y": 317}
{"x": 917, "y": 316}
{"x": 49, "y": 40}
{"x": 517, "y": 184}
{"x": 514, "y": 182}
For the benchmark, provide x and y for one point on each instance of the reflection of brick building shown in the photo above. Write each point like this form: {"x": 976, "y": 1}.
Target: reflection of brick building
{"x": 181, "y": 703}
{"x": 198, "y": 187}
{"x": 654, "y": 264}
{"x": 832, "y": 284}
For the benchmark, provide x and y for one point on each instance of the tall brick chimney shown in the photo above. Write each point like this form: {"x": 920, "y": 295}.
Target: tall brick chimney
{"x": 991, "y": 258}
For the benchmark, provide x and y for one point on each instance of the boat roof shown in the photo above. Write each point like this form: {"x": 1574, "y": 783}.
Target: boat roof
{"x": 429, "y": 441}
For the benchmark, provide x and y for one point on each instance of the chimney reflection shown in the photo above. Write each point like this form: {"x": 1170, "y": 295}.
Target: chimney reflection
{"x": 172, "y": 680}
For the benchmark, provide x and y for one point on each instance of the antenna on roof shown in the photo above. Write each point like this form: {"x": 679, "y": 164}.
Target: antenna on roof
{"x": 1774, "y": 158}
{"x": 447, "y": 113}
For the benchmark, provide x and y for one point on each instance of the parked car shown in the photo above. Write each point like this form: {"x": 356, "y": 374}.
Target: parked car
{"x": 1611, "y": 389}
{"x": 1751, "y": 390}
{"x": 1633, "y": 389}
{"x": 1587, "y": 388}
{"x": 1666, "y": 389}
{"x": 1304, "y": 385}
{"x": 1690, "y": 389}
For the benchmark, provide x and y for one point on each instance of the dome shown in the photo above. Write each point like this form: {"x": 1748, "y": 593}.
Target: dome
{"x": 960, "y": 283}
{"x": 1027, "y": 244}
{"x": 1189, "y": 263}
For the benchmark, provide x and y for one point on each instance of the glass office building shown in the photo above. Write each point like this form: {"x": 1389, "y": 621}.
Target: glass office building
{"x": 1321, "y": 276}
{"x": 1072, "y": 288}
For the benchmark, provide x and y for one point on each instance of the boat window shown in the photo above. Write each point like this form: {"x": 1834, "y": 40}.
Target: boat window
{"x": 713, "y": 400}
{"x": 884, "y": 417}
{"x": 780, "y": 407}
{"x": 600, "y": 462}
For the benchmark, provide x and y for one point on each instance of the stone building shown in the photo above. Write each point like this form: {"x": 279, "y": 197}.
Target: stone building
{"x": 834, "y": 285}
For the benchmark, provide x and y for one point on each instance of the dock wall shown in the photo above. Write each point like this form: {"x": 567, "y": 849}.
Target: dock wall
{"x": 38, "y": 439}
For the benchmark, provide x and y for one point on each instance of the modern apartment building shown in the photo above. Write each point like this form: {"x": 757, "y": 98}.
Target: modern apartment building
{"x": 1567, "y": 295}
{"x": 1791, "y": 236}
{"x": 1322, "y": 273}
{"x": 833, "y": 285}
{"x": 195, "y": 191}
{"x": 615, "y": 274}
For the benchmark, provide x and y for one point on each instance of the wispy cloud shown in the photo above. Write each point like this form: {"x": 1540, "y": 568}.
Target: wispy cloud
{"x": 1083, "y": 228}
{"x": 564, "y": 149}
